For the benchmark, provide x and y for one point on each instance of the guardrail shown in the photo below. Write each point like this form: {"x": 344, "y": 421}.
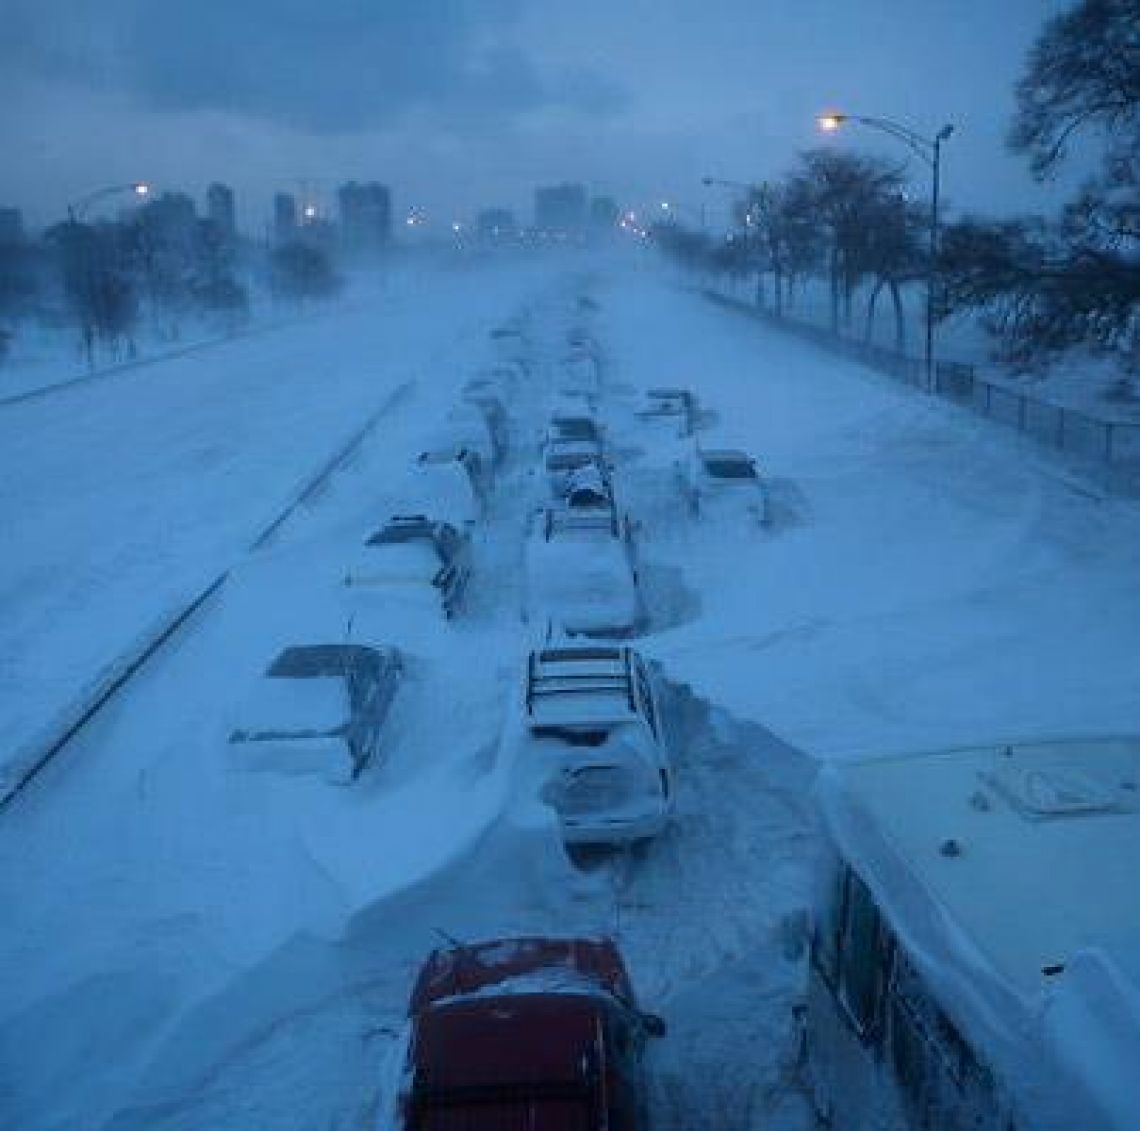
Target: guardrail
{"x": 1112, "y": 442}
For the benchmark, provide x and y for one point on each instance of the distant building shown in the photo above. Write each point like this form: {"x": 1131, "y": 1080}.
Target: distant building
{"x": 560, "y": 210}
{"x": 11, "y": 226}
{"x": 220, "y": 210}
{"x": 365, "y": 216}
{"x": 496, "y": 225}
{"x": 604, "y": 213}
{"x": 284, "y": 217}
{"x": 169, "y": 224}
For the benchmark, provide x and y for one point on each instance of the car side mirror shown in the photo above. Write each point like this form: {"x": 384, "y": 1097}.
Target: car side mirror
{"x": 653, "y": 1024}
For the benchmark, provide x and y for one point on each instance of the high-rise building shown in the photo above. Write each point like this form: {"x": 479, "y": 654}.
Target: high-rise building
{"x": 284, "y": 217}
{"x": 11, "y": 226}
{"x": 220, "y": 209}
{"x": 365, "y": 216}
{"x": 496, "y": 225}
{"x": 603, "y": 213}
{"x": 170, "y": 224}
{"x": 560, "y": 210}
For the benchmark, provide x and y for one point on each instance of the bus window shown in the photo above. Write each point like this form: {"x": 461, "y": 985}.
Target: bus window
{"x": 864, "y": 954}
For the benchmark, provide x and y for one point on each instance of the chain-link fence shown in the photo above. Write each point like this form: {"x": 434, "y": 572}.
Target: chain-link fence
{"x": 1114, "y": 442}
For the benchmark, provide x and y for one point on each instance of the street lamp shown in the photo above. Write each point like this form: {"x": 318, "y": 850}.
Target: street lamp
{"x": 77, "y": 208}
{"x": 752, "y": 192}
{"x": 671, "y": 208}
{"x": 80, "y": 254}
{"x": 930, "y": 150}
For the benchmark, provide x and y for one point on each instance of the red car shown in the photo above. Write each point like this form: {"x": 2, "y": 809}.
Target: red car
{"x": 526, "y": 1034}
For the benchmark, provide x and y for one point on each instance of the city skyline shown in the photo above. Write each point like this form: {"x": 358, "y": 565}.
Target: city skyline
{"x": 458, "y": 105}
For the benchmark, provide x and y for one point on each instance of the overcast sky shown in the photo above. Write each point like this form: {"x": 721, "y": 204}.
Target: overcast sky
{"x": 462, "y": 104}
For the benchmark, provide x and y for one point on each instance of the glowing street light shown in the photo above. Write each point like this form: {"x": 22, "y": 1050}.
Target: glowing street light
{"x": 752, "y": 193}
{"x": 930, "y": 151}
{"x": 77, "y": 208}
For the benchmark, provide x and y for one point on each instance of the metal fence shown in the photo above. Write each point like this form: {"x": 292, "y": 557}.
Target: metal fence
{"x": 1113, "y": 442}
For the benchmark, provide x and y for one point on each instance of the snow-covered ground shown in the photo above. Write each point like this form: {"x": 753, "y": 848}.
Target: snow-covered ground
{"x": 189, "y": 943}
{"x": 123, "y": 497}
{"x": 1078, "y": 380}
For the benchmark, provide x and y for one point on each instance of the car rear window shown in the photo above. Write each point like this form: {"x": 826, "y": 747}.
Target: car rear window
{"x": 574, "y": 736}
{"x": 732, "y": 467}
{"x": 575, "y": 428}
{"x": 501, "y": 1111}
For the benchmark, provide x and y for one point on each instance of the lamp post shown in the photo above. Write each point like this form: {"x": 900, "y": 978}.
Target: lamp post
{"x": 750, "y": 191}
{"x": 758, "y": 198}
{"x": 79, "y": 240}
{"x": 930, "y": 150}
{"x": 77, "y": 208}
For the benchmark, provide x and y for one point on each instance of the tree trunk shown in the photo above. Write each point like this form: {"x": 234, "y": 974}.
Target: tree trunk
{"x": 900, "y": 323}
{"x": 874, "y": 298}
{"x": 834, "y": 273}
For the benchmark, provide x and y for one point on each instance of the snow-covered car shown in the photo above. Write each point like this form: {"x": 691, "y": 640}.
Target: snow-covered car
{"x": 537, "y": 1033}
{"x": 572, "y": 440}
{"x": 676, "y": 408}
{"x": 500, "y": 380}
{"x": 715, "y": 480}
{"x": 448, "y": 483}
{"x": 589, "y": 488}
{"x": 413, "y": 554}
{"x": 595, "y": 740}
{"x": 581, "y": 371}
{"x": 561, "y": 459}
{"x": 494, "y": 413}
{"x": 467, "y": 428}
{"x": 511, "y": 345}
{"x": 566, "y": 424}
{"x": 581, "y": 572}
{"x": 320, "y": 708}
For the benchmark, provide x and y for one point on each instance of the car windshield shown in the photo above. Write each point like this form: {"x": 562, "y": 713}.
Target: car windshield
{"x": 565, "y": 461}
{"x": 401, "y": 531}
{"x": 730, "y": 467}
{"x": 575, "y": 428}
{"x": 575, "y": 735}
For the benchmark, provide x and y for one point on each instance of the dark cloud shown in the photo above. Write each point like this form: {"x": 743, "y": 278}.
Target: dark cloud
{"x": 324, "y": 66}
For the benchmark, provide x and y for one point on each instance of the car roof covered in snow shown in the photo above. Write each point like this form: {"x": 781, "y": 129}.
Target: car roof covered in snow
{"x": 663, "y": 393}
{"x": 1011, "y": 874}
{"x": 579, "y": 684}
{"x": 470, "y": 968}
{"x": 561, "y": 521}
{"x": 724, "y": 455}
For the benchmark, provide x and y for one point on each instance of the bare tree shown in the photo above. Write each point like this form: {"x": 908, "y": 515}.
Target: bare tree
{"x": 1081, "y": 284}
{"x": 849, "y": 198}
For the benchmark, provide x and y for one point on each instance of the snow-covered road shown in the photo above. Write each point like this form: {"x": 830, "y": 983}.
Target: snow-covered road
{"x": 123, "y": 497}
{"x": 244, "y": 943}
